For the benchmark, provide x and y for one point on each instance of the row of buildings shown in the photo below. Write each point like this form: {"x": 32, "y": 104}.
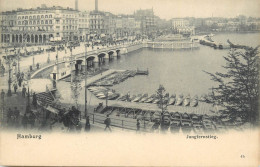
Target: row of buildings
{"x": 45, "y": 24}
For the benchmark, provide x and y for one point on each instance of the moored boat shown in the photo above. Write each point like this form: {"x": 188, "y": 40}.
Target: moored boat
{"x": 194, "y": 101}
{"x": 186, "y": 101}
{"x": 172, "y": 99}
{"x": 179, "y": 100}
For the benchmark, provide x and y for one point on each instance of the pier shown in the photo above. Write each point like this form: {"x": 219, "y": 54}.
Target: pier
{"x": 175, "y": 45}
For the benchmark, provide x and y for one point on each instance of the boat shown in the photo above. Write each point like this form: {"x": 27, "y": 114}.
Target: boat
{"x": 58, "y": 74}
{"x": 150, "y": 99}
{"x": 172, "y": 99}
{"x": 186, "y": 123}
{"x": 132, "y": 97}
{"x": 186, "y": 101}
{"x": 179, "y": 100}
{"x": 194, "y": 101}
{"x": 156, "y": 100}
{"x": 145, "y": 97}
{"x": 197, "y": 128}
{"x": 207, "y": 124}
{"x": 137, "y": 98}
{"x": 175, "y": 122}
{"x": 113, "y": 96}
{"x": 122, "y": 98}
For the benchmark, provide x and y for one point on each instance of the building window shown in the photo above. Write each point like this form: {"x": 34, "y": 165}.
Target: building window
{"x": 30, "y": 17}
{"x": 38, "y": 16}
{"x": 19, "y": 23}
{"x": 38, "y": 22}
{"x": 34, "y": 17}
{"x": 26, "y": 17}
{"x": 46, "y": 16}
{"x": 42, "y": 22}
{"x": 50, "y": 16}
{"x": 34, "y": 22}
{"x": 50, "y": 22}
{"x": 42, "y": 16}
{"x": 46, "y": 21}
{"x": 30, "y": 22}
{"x": 19, "y": 18}
{"x": 22, "y": 17}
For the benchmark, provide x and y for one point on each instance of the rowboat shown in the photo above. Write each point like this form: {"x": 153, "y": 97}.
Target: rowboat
{"x": 150, "y": 99}
{"x": 194, "y": 101}
{"x": 186, "y": 101}
{"x": 172, "y": 99}
{"x": 137, "y": 98}
{"x": 179, "y": 100}
{"x": 145, "y": 97}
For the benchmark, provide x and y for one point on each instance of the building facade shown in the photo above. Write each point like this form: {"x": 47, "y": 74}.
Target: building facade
{"x": 38, "y": 26}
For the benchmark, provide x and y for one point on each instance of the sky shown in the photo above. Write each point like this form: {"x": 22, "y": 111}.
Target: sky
{"x": 165, "y": 9}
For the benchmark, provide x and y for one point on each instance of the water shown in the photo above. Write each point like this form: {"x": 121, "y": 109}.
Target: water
{"x": 180, "y": 72}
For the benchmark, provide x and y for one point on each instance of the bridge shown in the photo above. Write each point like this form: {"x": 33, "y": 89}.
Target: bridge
{"x": 94, "y": 56}
{"x": 99, "y": 55}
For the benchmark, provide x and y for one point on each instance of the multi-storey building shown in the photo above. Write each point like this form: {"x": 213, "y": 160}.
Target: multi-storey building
{"x": 182, "y": 26}
{"x": 146, "y": 17}
{"x": 39, "y": 25}
{"x": 83, "y": 26}
{"x": 97, "y": 23}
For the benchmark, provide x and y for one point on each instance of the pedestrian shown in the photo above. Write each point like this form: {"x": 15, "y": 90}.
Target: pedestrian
{"x": 138, "y": 125}
{"x": 24, "y": 121}
{"x": 20, "y": 81}
{"x": 2, "y": 94}
{"x": 23, "y": 91}
{"x": 15, "y": 87}
{"x": 9, "y": 116}
{"x": 107, "y": 123}
{"x": 22, "y": 75}
{"x": 31, "y": 119}
{"x": 87, "y": 125}
{"x": 17, "y": 115}
{"x": 34, "y": 102}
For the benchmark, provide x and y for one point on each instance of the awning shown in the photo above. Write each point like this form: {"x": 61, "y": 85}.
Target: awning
{"x": 103, "y": 35}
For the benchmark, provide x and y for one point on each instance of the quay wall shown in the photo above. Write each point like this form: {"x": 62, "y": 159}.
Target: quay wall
{"x": 172, "y": 45}
{"x": 134, "y": 47}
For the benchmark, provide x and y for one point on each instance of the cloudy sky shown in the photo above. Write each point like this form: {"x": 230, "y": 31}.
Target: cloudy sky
{"x": 165, "y": 9}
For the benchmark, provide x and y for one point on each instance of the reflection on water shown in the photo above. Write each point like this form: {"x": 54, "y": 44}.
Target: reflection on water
{"x": 180, "y": 72}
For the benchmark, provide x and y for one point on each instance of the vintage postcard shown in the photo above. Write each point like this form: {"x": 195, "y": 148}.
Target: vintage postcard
{"x": 129, "y": 82}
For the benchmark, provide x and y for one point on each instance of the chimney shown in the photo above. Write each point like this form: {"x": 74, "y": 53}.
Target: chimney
{"x": 96, "y": 5}
{"x": 76, "y": 5}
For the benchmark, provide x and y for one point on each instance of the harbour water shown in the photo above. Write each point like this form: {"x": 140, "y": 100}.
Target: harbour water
{"x": 179, "y": 71}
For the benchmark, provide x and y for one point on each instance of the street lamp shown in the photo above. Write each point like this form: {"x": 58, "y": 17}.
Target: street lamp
{"x": 86, "y": 102}
{"x": 9, "y": 93}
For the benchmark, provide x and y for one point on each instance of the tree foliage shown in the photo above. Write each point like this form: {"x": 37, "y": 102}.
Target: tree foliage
{"x": 162, "y": 96}
{"x": 238, "y": 89}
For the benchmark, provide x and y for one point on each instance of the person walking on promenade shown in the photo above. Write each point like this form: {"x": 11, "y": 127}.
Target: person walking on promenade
{"x": 10, "y": 117}
{"x": 2, "y": 95}
{"x": 34, "y": 102}
{"x": 107, "y": 122}
{"x": 138, "y": 126}
{"x": 24, "y": 121}
{"x": 87, "y": 125}
{"x": 17, "y": 116}
{"x": 15, "y": 87}
{"x": 31, "y": 119}
{"x": 23, "y": 91}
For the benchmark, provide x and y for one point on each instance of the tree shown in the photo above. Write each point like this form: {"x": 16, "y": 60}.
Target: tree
{"x": 237, "y": 90}
{"x": 162, "y": 96}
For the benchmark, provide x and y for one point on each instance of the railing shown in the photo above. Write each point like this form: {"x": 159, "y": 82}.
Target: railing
{"x": 123, "y": 123}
